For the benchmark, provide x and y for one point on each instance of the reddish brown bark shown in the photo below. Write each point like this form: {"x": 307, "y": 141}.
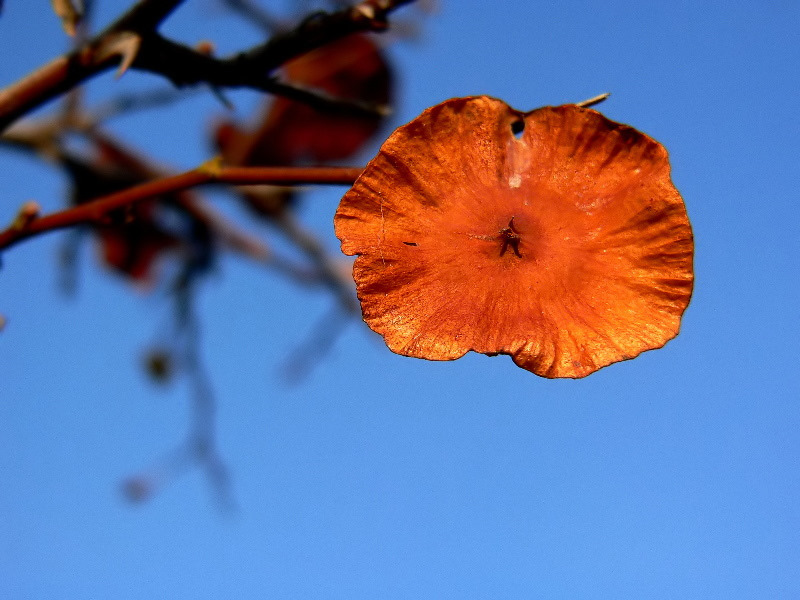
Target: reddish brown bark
{"x": 94, "y": 212}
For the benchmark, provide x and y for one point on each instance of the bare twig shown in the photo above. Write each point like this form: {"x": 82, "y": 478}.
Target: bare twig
{"x": 333, "y": 276}
{"x": 96, "y": 210}
{"x": 202, "y": 438}
{"x": 316, "y": 345}
{"x": 68, "y": 256}
{"x": 324, "y": 102}
{"x": 127, "y": 103}
{"x": 199, "y": 448}
{"x": 41, "y": 136}
{"x": 230, "y": 235}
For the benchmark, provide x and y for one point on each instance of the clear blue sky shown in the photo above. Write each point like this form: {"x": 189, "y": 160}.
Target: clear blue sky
{"x": 675, "y": 475}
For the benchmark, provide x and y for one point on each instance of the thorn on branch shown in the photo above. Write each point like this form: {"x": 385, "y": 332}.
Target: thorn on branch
{"x": 593, "y": 101}
{"x": 27, "y": 213}
{"x": 124, "y": 44}
{"x": 70, "y": 15}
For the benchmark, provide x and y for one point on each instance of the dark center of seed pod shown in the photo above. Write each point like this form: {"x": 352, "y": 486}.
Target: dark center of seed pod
{"x": 510, "y": 238}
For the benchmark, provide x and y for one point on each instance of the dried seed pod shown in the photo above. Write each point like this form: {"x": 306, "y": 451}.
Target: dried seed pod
{"x": 554, "y": 236}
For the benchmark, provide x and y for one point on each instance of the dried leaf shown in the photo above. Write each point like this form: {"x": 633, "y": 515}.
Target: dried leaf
{"x": 133, "y": 247}
{"x": 292, "y": 132}
{"x": 69, "y": 14}
{"x": 352, "y": 68}
{"x": 555, "y": 236}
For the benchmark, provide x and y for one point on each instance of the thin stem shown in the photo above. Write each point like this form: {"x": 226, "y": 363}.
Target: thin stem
{"x": 311, "y": 247}
{"x": 47, "y": 82}
{"x": 96, "y": 210}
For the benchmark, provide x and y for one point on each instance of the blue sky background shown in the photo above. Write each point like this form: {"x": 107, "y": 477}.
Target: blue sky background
{"x": 675, "y": 475}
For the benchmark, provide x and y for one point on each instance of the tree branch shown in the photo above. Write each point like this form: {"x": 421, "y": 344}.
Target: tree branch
{"x": 96, "y": 210}
{"x": 132, "y": 41}
{"x": 145, "y": 15}
{"x": 66, "y": 72}
{"x": 320, "y": 29}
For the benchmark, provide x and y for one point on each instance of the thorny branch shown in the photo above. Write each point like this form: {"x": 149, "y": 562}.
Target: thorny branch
{"x": 90, "y": 58}
{"x": 132, "y": 41}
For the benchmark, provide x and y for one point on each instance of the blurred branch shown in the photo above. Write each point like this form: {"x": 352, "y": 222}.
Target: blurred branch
{"x": 324, "y": 102}
{"x": 133, "y": 42}
{"x": 68, "y": 257}
{"x": 127, "y": 103}
{"x": 255, "y": 14}
{"x": 42, "y": 136}
{"x": 199, "y": 447}
{"x": 96, "y": 210}
{"x": 330, "y": 272}
{"x": 316, "y": 346}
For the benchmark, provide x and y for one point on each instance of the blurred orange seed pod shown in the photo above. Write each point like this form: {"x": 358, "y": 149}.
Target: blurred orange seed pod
{"x": 554, "y": 236}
